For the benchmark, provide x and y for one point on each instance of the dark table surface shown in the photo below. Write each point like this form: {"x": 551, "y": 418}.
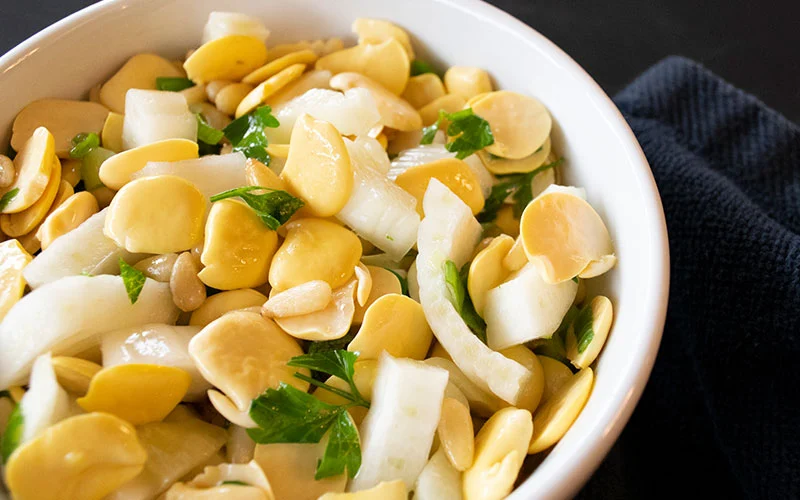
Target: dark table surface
{"x": 753, "y": 44}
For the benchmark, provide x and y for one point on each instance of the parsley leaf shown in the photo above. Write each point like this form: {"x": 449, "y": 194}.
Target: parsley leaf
{"x": 7, "y": 198}
{"x": 132, "y": 278}
{"x": 247, "y": 133}
{"x": 403, "y": 282}
{"x": 83, "y": 144}
{"x": 274, "y": 207}
{"x": 468, "y": 132}
{"x": 173, "y": 84}
{"x": 289, "y": 415}
{"x": 206, "y": 133}
{"x": 518, "y": 186}
{"x": 12, "y": 436}
{"x": 582, "y": 327}
{"x": 343, "y": 451}
{"x": 457, "y": 286}
{"x": 419, "y": 67}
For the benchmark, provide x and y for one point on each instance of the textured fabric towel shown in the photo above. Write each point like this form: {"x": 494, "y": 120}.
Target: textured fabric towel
{"x": 720, "y": 416}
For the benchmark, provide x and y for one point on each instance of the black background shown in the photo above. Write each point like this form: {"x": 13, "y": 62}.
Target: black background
{"x": 753, "y": 44}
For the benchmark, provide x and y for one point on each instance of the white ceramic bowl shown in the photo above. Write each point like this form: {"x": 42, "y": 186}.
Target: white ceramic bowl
{"x": 601, "y": 153}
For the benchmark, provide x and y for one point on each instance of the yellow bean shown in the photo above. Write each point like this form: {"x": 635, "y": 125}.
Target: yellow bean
{"x": 305, "y": 56}
{"x": 487, "y": 270}
{"x": 318, "y": 168}
{"x": 139, "y": 72}
{"x": 557, "y": 415}
{"x": 332, "y": 322}
{"x": 94, "y": 93}
{"x": 13, "y": 259}
{"x": 456, "y": 434}
{"x": 467, "y": 81}
{"x": 213, "y": 116}
{"x": 188, "y": 292}
{"x": 19, "y": 223}
{"x": 302, "y": 299}
{"x": 69, "y": 215}
{"x": 161, "y": 214}
{"x": 138, "y": 393}
{"x": 63, "y": 118}
{"x": 34, "y": 166}
{"x": 384, "y": 282}
{"x": 504, "y": 166}
{"x": 531, "y": 394}
{"x": 230, "y": 96}
{"x": 158, "y": 267}
{"x": 174, "y": 449}
{"x": 600, "y": 313}
{"x": 563, "y": 236}
{"x": 364, "y": 281}
{"x": 84, "y": 457}
{"x": 258, "y": 174}
{"x": 453, "y": 173}
{"x": 71, "y": 171}
{"x": 265, "y": 89}
{"x": 116, "y": 171}
{"x": 556, "y": 374}
{"x": 395, "y": 111}
{"x": 449, "y": 103}
{"x": 237, "y": 248}
{"x": 375, "y": 31}
{"x": 244, "y": 354}
{"x": 111, "y": 136}
{"x": 214, "y": 87}
{"x": 499, "y": 451}
{"x": 507, "y": 222}
{"x": 194, "y": 95}
{"x": 315, "y": 79}
{"x": 74, "y": 374}
{"x": 227, "y": 58}
{"x": 385, "y": 490}
{"x": 396, "y": 324}
{"x": 520, "y": 124}
{"x": 7, "y": 171}
{"x": 291, "y": 467}
{"x": 320, "y": 47}
{"x": 218, "y": 304}
{"x": 315, "y": 249}
{"x": 516, "y": 258}
{"x": 580, "y": 296}
{"x": 227, "y": 409}
{"x": 387, "y": 63}
{"x": 423, "y": 89}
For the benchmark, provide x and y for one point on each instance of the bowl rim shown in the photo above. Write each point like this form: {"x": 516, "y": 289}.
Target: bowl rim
{"x": 566, "y": 481}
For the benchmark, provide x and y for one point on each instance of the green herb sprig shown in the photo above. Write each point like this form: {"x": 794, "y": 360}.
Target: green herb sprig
{"x": 518, "y": 186}
{"x": 582, "y": 327}
{"x": 273, "y": 206}
{"x": 247, "y": 133}
{"x": 420, "y": 67}
{"x": 83, "y": 144}
{"x": 467, "y": 131}
{"x": 206, "y": 133}
{"x": 8, "y": 198}
{"x": 173, "y": 84}
{"x": 289, "y": 415}
{"x": 133, "y": 279}
{"x": 457, "y": 287}
{"x": 12, "y": 435}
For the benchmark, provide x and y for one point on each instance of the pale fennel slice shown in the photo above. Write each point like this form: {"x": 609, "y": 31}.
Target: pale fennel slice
{"x": 450, "y": 232}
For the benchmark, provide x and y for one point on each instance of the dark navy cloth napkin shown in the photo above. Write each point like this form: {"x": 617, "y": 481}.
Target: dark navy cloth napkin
{"x": 720, "y": 417}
